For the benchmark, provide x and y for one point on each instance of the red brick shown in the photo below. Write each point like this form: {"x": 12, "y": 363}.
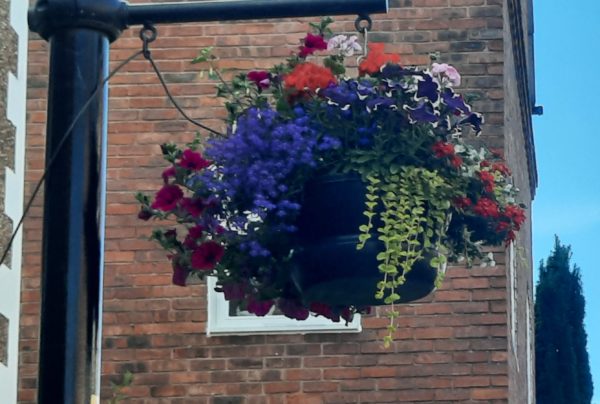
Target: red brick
{"x": 489, "y": 394}
{"x": 281, "y": 387}
{"x": 378, "y": 371}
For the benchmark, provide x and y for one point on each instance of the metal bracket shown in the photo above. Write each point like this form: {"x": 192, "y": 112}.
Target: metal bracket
{"x": 106, "y": 16}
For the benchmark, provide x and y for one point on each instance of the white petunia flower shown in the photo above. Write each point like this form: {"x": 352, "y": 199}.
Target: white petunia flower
{"x": 346, "y": 46}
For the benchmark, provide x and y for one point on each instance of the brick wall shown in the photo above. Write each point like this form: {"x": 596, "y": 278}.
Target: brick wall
{"x": 521, "y": 361}
{"x": 452, "y": 347}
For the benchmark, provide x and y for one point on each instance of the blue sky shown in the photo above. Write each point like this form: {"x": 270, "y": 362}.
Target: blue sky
{"x": 567, "y": 140}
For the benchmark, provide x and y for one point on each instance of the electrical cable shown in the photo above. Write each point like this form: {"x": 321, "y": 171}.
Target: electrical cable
{"x": 58, "y": 149}
{"x": 148, "y": 34}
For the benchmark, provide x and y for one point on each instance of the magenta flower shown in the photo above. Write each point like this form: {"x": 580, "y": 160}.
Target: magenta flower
{"x": 261, "y": 78}
{"x": 168, "y": 173}
{"x": 144, "y": 214}
{"x": 193, "y": 160}
{"x": 179, "y": 275}
{"x": 234, "y": 291}
{"x": 193, "y": 206}
{"x": 167, "y": 198}
{"x": 312, "y": 43}
{"x": 259, "y": 308}
{"x": 207, "y": 255}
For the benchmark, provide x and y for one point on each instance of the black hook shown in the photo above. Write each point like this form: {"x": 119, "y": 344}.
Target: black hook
{"x": 148, "y": 34}
{"x": 363, "y": 28}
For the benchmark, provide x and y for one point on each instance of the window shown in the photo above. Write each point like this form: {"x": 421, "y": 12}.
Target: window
{"x": 222, "y": 320}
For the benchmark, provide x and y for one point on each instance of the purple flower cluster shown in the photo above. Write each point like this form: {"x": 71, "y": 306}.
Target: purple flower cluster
{"x": 258, "y": 161}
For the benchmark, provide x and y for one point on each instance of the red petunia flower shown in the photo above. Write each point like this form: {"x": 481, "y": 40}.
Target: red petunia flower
{"x": 259, "y": 307}
{"x": 207, "y": 255}
{"x": 501, "y": 168}
{"x": 193, "y": 206}
{"x": 168, "y": 173}
{"x": 179, "y": 275}
{"x": 167, "y": 198}
{"x": 502, "y": 227}
{"x": 262, "y": 79}
{"x": 293, "y": 309}
{"x": 234, "y": 291}
{"x": 442, "y": 149}
{"x": 193, "y": 160}
{"x": 144, "y": 214}
{"x": 309, "y": 77}
{"x": 312, "y": 43}
{"x": 486, "y": 207}
{"x": 325, "y": 310}
{"x": 515, "y": 214}
{"x": 462, "y": 202}
{"x": 456, "y": 161}
{"x": 375, "y": 59}
{"x": 194, "y": 233}
{"x": 510, "y": 237}
{"x": 487, "y": 180}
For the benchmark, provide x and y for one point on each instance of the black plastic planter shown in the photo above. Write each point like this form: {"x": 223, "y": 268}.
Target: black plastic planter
{"x": 331, "y": 270}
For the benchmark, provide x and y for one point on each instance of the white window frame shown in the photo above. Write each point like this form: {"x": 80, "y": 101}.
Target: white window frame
{"x": 530, "y": 364}
{"x": 219, "y": 321}
{"x": 513, "y": 301}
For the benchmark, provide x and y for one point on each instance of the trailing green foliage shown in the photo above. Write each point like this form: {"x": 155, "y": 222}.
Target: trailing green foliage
{"x": 413, "y": 215}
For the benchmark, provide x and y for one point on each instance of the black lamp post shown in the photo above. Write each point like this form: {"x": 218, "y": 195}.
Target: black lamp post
{"x": 79, "y": 32}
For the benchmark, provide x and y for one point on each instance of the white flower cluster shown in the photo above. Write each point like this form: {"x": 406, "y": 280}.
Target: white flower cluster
{"x": 345, "y": 45}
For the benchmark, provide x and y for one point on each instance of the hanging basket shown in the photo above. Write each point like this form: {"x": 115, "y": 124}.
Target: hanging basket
{"x": 330, "y": 268}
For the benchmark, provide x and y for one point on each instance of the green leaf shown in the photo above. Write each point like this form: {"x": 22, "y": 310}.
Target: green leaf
{"x": 382, "y": 256}
{"x": 204, "y": 56}
{"x": 387, "y": 341}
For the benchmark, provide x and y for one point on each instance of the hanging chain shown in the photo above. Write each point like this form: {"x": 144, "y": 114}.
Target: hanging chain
{"x": 148, "y": 34}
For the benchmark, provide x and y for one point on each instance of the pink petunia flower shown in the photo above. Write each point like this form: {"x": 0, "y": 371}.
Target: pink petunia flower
{"x": 447, "y": 71}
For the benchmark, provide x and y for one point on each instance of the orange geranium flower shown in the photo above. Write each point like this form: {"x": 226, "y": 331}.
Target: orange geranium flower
{"x": 376, "y": 58}
{"x": 309, "y": 77}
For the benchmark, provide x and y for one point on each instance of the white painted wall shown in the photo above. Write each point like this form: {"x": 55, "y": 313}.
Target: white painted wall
{"x": 10, "y": 279}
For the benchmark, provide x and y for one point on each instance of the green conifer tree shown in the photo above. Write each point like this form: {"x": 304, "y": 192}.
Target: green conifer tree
{"x": 562, "y": 364}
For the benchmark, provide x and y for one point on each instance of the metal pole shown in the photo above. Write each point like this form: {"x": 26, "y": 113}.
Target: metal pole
{"x": 73, "y": 220}
{"x": 247, "y": 10}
